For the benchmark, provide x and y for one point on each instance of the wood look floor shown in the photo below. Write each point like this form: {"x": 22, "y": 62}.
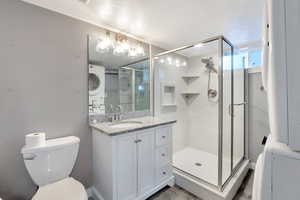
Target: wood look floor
{"x": 177, "y": 193}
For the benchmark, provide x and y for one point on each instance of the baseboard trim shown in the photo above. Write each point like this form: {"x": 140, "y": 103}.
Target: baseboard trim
{"x": 89, "y": 192}
{"x": 95, "y": 194}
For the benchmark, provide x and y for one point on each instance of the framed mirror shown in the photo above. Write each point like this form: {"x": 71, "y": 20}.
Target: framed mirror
{"x": 118, "y": 75}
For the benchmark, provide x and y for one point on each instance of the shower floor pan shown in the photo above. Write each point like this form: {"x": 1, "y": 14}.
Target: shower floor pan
{"x": 197, "y": 172}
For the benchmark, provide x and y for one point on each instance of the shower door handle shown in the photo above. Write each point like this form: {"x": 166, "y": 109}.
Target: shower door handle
{"x": 235, "y": 104}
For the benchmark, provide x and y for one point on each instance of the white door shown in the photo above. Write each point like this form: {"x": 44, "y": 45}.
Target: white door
{"x": 126, "y": 168}
{"x": 146, "y": 160}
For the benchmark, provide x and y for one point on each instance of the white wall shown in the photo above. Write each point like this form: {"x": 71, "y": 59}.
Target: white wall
{"x": 165, "y": 73}
{"x": 258, "y": 116}
{"x": 43, "y": 86}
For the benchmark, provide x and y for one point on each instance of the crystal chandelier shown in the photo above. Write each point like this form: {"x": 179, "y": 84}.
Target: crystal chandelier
{"x": 120, "y": 46}
{"x": 104, "y": 44}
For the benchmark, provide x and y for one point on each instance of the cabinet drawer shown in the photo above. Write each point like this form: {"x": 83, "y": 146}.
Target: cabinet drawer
{"x": 163, "y": 173}
{"x": 163, "y": 156}
{"x": 163, "y": 136}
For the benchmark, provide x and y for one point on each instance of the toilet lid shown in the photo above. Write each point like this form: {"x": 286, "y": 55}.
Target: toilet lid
{"x": 67, "y": 188}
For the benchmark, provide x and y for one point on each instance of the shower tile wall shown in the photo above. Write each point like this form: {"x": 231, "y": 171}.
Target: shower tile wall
{"x": 197, "y": 124}
{"x": 203, "y": 114}
{"x": 165, "y": 73}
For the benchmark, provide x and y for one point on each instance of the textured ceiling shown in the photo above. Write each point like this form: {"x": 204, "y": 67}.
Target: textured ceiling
{"x": 170, "y": 23}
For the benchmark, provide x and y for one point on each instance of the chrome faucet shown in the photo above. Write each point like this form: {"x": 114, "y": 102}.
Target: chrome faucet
{"x": 118, "y": 113}
{"x": 110, "y": 113}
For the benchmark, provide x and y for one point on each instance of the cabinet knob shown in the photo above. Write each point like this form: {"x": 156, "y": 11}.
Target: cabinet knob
{"x": 137, "y": 141}
{"x": 164, "y": 173}
{"x": 163, "y": 155}
{"x": 163, "y": 136}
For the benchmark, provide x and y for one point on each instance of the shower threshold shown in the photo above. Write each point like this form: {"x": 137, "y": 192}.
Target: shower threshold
{"x": 196, "y": 171}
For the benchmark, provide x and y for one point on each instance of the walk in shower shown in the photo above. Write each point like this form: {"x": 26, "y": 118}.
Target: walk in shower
{"x": 208, "y": 93}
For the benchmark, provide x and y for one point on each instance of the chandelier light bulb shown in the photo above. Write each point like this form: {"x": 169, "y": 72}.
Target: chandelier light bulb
{"x": 140, "y": 50}
{"x": 104, "y": 44}
{"x": 120, "y": 46}
{"x": 118, "y": 50}
{"x": 132, "y": 52}
{"x": 125, "y": 46}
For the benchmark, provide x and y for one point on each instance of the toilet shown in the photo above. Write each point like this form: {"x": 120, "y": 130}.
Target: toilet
{"x": 50, "y": 165}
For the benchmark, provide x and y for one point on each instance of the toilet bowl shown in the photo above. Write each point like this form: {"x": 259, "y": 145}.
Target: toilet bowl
{"x": 50, "y": 165}
{"x": 67, "y": 188}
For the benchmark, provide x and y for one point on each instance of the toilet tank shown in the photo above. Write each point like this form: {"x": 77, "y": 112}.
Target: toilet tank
{"x": 53, "y": 161}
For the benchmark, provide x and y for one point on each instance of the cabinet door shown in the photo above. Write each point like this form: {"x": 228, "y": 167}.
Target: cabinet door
{"x": 126, "y": 166}
{"x": 146, "y": 160}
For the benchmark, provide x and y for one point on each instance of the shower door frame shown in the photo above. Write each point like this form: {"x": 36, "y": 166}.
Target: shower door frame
{"x": 220, "y": 186}
{"x": 233, "y": 169}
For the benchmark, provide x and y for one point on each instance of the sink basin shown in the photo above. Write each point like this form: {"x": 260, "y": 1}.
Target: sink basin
{"x": 125, "y": 124}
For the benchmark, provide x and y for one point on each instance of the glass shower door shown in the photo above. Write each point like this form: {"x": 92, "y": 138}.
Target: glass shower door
{"x": 232, "y": 109}
{"x": 238, "y": 116}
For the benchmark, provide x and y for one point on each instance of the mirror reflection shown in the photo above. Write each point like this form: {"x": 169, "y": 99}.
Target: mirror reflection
{"x": 119, "y": 74}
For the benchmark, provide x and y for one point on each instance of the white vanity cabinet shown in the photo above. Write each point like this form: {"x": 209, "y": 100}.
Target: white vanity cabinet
{"x": 132, "y": 165}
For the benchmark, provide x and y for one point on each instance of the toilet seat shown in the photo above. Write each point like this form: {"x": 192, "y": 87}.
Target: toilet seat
{"x": 66, "y": 189}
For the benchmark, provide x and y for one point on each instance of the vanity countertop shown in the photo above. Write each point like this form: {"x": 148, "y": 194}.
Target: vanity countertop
{"x": 143, "y": 122}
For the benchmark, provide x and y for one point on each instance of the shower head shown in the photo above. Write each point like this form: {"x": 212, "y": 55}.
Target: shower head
{"x": 206, "y": 60}
{"x": 209, "y": 64}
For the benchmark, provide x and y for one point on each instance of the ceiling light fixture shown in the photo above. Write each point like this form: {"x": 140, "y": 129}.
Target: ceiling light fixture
{"x": 104, "y": 44}
{"x": 85, "y": 1}
{"x": 132, "y": 52}
{"x": 122, "y": 47}
{"x": 118, "y": 50}
{"x": 140, "y": 50}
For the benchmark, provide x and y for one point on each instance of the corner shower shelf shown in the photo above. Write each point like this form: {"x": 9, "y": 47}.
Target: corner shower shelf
{"x": 190, "y": 94}
{"x": 189, "y": 78}
{"x": 169, "y": 105}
